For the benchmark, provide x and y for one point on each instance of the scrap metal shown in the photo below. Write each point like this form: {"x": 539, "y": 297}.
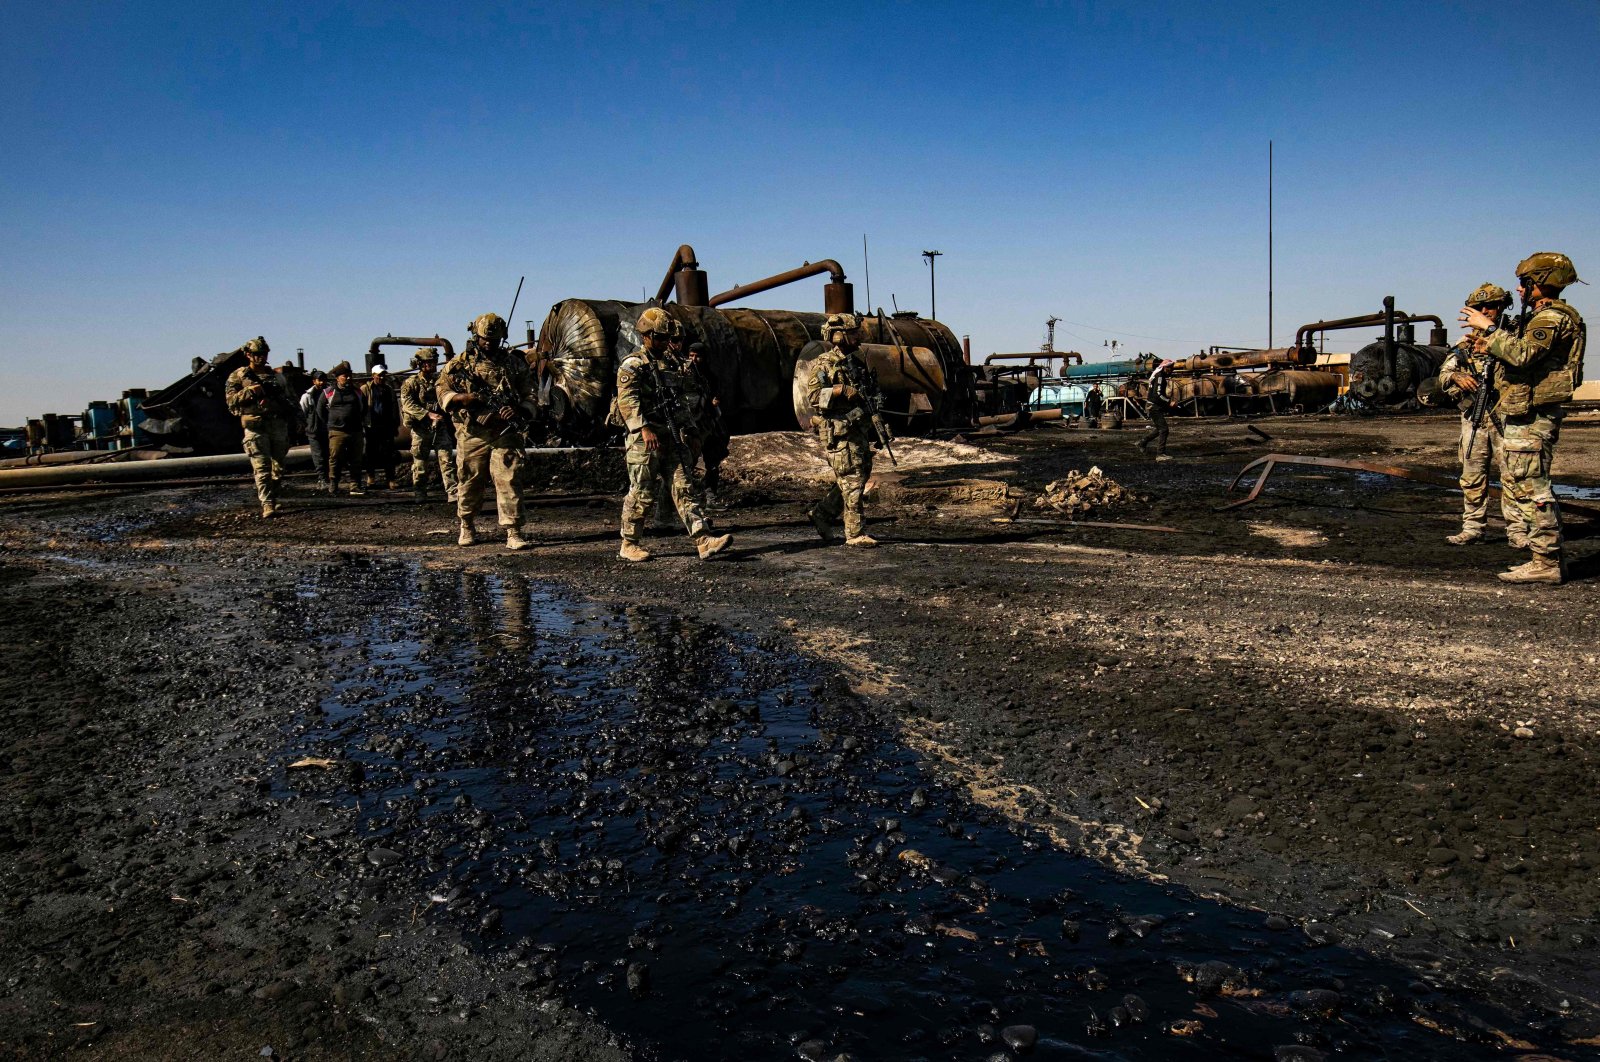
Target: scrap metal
{"x": 1268, "y": 463}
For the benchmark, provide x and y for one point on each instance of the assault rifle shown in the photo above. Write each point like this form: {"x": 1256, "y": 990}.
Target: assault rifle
{"x": 276, "y": 396}
{"x": 1480, "y": 401}
{"x": 671, "y": 410}
{"x": 1485, "y": 379}
{"x": 521, "y": 423}
{"x": 866, "y": 385}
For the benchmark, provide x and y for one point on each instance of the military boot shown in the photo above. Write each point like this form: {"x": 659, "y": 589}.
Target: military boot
{"x": 268, "y": 510}
{"x": 468, "y": 535}
{"x": 709, "y": 546}
{"x": 632, "y": 551}
{"x": 1465, "y": 537}
{"x": 861, "y": 541}
{"x": 823, "y": 525}
{"x": 514, "y": 539}
{"x": 1538, "y": 569}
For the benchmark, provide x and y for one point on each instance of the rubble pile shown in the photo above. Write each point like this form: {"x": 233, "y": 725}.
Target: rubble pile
{"x": 1080, "y": 494}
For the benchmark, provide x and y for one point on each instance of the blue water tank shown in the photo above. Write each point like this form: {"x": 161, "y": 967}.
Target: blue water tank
{"x": 100, "y": 421}
{"x": 133, "y": 407}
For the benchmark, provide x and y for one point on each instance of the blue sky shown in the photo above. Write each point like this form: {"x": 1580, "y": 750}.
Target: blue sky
{"x": 184, "y": 176}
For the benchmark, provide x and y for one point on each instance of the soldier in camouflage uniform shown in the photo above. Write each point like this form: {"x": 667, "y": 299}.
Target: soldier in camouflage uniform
{"x": 1459, "y": 380}
{"x": 654, "y": 402}
{"x": 842, "y": 390}
{"x": 1540, "y": 362}
{"x": 431, "y": 431}
{"x": 261, "y": 400}
{"x": 489, "y": 440}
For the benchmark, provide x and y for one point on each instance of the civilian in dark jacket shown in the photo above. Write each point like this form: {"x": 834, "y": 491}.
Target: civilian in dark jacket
{"x": 316, "y": 434}
{"x": 342, "y": 413}
{"x": 383, "y": 427}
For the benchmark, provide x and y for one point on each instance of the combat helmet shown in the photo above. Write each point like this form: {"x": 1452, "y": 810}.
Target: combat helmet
{"x": 654, "y": 321}
{"x": 258, "y": 345}
{"x": 490, "y": 326}
{"x": 1548, "y": 269}
{"x": 839, "y": 322}
{"x": 425, "y": 355}
{"x": 1487, "y": 294}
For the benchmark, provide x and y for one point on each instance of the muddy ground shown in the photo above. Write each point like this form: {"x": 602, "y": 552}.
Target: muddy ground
{"x": 1307, "y": 741}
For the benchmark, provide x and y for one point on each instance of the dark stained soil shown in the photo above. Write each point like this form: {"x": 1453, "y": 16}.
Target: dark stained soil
{"x": 1310, "y": 716}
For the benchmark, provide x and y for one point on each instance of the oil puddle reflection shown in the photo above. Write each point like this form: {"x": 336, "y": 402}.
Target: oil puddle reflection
{"x": 705, "y": 839}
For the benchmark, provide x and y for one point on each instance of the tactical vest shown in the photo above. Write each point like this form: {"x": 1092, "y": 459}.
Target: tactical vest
{"x": 850, "y": 420}
{"x": 273, "y": 402}
{"x": 1550, "y": 380}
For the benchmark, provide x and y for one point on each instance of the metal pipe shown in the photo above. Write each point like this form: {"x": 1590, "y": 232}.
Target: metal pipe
{"x": 810, "y": 269}
{"x": 1018, "y": 419}
{"x": 1064, "y": 355}
{"x": 1301, "y": 336}
{"x": 136, "y": 471}
{"x": 683, "y": 258}
{"x": 407, "y": 341}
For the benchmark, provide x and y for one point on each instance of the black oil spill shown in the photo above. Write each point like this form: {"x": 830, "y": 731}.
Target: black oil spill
{"x": 705, "y": 839}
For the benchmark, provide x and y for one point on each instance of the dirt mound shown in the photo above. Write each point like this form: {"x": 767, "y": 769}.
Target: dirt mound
{"x": 795, "y": 455}
{"x": 1085, "y": 493}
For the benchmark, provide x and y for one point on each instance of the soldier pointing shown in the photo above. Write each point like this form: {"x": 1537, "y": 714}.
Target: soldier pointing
{"x": 1541, "y": 362}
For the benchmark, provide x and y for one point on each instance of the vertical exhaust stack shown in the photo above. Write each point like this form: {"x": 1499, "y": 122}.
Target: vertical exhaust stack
{"x": 685, "y": 279}
{"x": 1388, "y": 340}
{"x": 838, "y": 297}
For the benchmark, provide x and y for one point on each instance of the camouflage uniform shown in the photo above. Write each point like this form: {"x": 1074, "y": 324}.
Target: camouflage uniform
{"x": 646, "y": 384}
{"x": 1541, "y": 362}
{"x": 419, "y": 397}
{"x": 1488, "y": 452}
{"x": 265, "y": 408}
{"x": 844, "y": 427}
{"x": 487, "y": 449}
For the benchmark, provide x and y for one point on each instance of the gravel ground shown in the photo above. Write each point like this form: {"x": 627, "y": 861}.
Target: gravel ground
{"x": 1312, "y": 707}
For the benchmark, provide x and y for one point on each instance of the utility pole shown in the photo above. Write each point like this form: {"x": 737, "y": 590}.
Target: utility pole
{"x": 866, "y": 266}
{"x": 1269, "y": 244}
{"x": 933, "y": 289}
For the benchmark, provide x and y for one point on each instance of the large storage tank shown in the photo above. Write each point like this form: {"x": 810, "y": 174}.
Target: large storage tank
{"x": 1373, "y": 379}
{"x": 754, "y": 355}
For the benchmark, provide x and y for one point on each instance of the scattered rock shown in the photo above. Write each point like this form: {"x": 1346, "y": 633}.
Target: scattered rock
{"x": 1020, "y": 1037}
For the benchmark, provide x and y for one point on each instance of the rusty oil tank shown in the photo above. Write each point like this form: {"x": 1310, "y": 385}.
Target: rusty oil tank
{"x": 754, "y": 355}
{"x": 1306, "y": 388}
